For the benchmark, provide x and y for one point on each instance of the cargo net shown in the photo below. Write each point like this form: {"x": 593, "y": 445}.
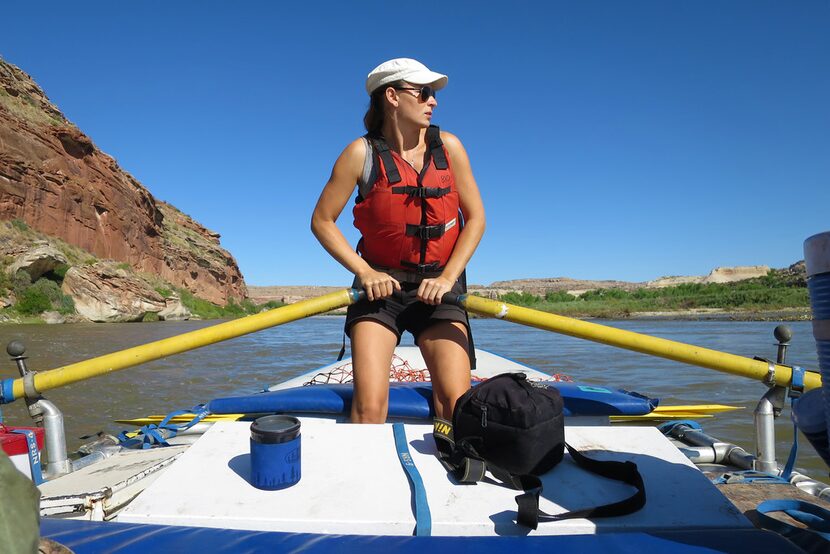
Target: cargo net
{"x": 400, "y": 371}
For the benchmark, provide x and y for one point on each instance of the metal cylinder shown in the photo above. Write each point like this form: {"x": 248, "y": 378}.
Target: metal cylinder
{"x": 95, "y": 457}
{"x": 59, "y": 463}
{"x": 810, "y": 485}
{"x": 817, "y": 261}
{"x": 722, "y": 452}
{"x": 765, "y": 435}
{"x": 699, "y": 454}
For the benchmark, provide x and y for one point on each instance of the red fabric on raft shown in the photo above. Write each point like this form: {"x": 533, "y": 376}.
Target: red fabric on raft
{"x": 14, "y": 444}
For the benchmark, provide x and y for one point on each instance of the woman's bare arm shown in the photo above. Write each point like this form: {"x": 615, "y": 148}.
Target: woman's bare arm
{"x": 337, "y": 192}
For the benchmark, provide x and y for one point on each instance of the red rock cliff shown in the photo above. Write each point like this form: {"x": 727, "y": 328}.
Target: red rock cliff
{"x": 54, "y": 178}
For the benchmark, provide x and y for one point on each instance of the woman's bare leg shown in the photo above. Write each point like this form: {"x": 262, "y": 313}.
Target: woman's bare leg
{"x": 372, "y": 347}
{"x": 444, "y": 347}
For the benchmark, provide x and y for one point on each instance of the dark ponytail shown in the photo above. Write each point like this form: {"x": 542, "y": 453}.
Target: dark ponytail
{"x": 373, "y": 120}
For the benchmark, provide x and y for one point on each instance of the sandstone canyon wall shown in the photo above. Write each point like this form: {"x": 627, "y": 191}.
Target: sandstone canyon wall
{"x": 54, "y": 178}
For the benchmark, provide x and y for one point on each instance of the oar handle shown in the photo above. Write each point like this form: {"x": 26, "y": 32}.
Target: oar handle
{"x": 448, "y": 298}
{"x": 11, "y": 389}
{"x": 771, "y": 374}
{"x": 452, "y": 299}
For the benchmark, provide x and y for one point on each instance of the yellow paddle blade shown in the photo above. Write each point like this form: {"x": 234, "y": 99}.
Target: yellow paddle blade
{"x": 156, "y": 419}
{"x": 658, "y": 417}
{"x": 668, "y": 413}
{"x": 696, "y": 408}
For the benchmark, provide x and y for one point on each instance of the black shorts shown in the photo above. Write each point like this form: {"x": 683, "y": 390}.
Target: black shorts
{"x": 406, "y": 313}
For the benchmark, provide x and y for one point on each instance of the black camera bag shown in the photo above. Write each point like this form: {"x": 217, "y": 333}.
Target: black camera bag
{"x": 516, "y": 429}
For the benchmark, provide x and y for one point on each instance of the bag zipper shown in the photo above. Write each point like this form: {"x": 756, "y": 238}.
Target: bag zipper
{"x": 484, "y": 416}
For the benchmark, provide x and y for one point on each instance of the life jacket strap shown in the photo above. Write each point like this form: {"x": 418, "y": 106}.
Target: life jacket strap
{"x": 392, "y": 173}
{"x": 422, "y": 268}
{"x": 436, "y": 146}
{"x": 426, "y": 232}
{"x": 422, "y": 192}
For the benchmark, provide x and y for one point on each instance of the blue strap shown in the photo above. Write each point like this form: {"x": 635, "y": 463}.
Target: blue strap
{"x": 34, "y": 454}
{"x": 6, "y": 391}
{"x": 748, "y": 476}
{"x": 152, "y": 434}
{"x": 667, "y": 427}
{"x": 814, "y": 538}
{"x": 796, "y": 389}
{"x": 423, "y": 519}
{"x": 199, "y": 413}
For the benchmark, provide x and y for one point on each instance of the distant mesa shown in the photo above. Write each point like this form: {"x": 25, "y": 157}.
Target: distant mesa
{"x": 717, "y": 275}
{"x": 543, "y": 286}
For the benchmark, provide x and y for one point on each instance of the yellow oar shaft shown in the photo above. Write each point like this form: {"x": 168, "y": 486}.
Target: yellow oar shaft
{"x": 101, "y": 365}
{"x": 629, "y": 340}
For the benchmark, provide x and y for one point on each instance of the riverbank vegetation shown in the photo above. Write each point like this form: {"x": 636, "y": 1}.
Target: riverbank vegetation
{"x": 207, "y": 310}
{"x": 24, "y": 300}
{"x": 778, "y": 291}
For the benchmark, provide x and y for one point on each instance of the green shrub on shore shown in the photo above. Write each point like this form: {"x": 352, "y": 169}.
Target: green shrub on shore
{"x": 5, "y": 279}
{"x": 41, "y": 296}
{"x": 208, "y": 310}
{"x": 163, "y": 291}
{"x": 21, "y": 226}
{"x": 771, "y": 292}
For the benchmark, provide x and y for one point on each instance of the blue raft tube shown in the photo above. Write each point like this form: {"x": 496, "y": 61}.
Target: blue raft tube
{"x": 812, "y": 413}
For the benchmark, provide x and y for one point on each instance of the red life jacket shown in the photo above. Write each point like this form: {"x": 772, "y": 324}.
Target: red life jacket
{"x": 409, "y": 221}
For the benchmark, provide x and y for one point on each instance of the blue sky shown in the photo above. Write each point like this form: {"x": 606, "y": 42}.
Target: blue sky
{"x": 610, "y": 140}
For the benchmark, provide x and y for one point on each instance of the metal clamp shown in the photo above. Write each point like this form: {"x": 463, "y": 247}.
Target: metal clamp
{"x": 29, "y": 389}
{"x": 769, "y": 379}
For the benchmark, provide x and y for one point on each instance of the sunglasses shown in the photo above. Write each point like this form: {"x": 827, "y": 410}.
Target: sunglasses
{"x": 424, "y": 93}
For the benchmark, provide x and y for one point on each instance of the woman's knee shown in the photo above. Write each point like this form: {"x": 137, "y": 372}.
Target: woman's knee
{"x": 369, "y": 410}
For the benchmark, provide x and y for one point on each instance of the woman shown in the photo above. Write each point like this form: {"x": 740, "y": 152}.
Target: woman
{"x": 412, "y": 181}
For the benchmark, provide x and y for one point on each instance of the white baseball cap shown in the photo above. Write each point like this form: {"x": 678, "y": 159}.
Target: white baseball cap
{"x": 404, "y": 69}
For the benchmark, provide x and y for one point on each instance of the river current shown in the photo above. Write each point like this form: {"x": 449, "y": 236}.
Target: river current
{"x": 253, "y": 362}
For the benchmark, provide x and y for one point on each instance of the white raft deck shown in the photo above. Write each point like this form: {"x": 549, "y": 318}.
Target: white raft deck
{"x": 353, "y": 483}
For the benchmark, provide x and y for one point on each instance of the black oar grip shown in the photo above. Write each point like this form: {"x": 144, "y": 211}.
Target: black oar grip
{"x": 448, "y": 298}
{"x": 451, "y": 298}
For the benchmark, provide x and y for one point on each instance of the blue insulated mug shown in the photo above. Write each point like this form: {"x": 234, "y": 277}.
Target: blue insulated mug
{"x": 275, "y": 452}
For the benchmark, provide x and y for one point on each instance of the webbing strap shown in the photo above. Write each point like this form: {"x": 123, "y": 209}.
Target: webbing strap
{"x": 436, "y": 147}
{"x": 625, "y": 472}
{"x": 431, "y": 267}
{"x": 392, "y": 173}
{"x": 342, "y": 349}
{"x": 796, "y": 389}
{"x": 469, "y": 470}
{"x": 814, "y": 538}
{"x": 747, "y": 476}
{"x": 465, "y": 469}
{"x": 422, "y": 192}
{"x": 425, "y": 232}
{"x": 423, "y": 518}
{"x": 34, "y": 454}
{"x": 151, "y": 434}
